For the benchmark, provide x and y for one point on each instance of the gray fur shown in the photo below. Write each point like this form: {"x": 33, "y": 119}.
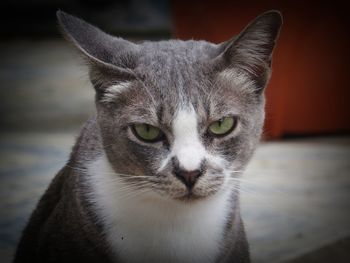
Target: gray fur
{"x": 217, "y": 79}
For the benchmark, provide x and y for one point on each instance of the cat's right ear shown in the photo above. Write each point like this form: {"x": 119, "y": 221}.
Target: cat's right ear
{"x": 111, "y": 60}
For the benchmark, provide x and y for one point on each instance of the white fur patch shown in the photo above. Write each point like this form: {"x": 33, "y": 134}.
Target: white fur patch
{"x": 144, "y": 227}
{"x": 114, "y": 90}
{"x": 187, "y": 147}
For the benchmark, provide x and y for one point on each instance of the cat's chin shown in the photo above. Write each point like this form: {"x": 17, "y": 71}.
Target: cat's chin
{"x": 191, "y": 197}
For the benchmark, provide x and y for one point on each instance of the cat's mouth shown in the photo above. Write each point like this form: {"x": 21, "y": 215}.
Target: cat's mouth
{"x": 200, "y": 191}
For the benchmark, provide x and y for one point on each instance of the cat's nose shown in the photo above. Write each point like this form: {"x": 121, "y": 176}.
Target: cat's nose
{"x": 189, "y": 178}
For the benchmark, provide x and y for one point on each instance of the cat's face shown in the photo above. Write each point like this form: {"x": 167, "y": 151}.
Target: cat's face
{"x": 180, "y": 118}
{"x": 163, "y": 129}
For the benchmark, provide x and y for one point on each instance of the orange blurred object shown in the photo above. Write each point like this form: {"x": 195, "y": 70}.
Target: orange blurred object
{"x": 309, "y": 92}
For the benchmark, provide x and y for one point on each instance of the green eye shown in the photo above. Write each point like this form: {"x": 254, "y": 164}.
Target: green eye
{"x": 146, "y": 132}
{"x": 223, "y": 126}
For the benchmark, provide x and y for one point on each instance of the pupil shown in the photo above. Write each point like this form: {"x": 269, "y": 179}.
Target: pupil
{"x": 147, "y": 128}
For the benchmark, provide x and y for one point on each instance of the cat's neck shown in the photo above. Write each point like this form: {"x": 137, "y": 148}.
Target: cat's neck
{"x": 142, "y": 227}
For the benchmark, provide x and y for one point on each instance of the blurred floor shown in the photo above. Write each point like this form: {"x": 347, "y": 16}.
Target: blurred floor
{"x": 296, "y": 198}
{"x": 295, "y": 194}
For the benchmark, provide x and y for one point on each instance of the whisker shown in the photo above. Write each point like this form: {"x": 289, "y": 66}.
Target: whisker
{"x": 112, "y": 173}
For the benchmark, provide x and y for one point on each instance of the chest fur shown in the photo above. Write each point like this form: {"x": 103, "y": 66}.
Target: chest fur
{"x": 145, "y": 228}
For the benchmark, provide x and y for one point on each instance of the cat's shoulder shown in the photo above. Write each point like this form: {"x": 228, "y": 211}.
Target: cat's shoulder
{"x": 88, "y": 144}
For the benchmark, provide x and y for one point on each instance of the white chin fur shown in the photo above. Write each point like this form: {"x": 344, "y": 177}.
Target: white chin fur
{"x": 143, "y": 227}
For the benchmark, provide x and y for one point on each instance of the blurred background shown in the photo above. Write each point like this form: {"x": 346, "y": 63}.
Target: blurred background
{"x": 296, "y": 190}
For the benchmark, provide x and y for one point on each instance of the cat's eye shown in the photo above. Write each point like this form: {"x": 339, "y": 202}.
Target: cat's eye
{"x": 146, "y": 132}
{"x": 222, "y": 127}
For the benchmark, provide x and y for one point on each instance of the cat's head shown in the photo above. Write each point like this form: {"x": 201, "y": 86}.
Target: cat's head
{"x": 179, "y": 118}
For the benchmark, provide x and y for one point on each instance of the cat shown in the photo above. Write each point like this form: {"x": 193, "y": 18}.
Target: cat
{"x": 154, "y": 175}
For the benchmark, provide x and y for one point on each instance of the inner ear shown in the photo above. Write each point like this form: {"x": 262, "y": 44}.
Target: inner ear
{"x": 96, "y": 45}
{"x": 250, "y": 52}
{"x": 111, "y": 60}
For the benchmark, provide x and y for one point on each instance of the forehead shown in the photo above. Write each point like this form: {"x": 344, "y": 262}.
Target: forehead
{"x": 173, "y": 75}
{"x": 143, "y": 104}
{"x": 174, "y": 63}
{"x": 175, "y": 69}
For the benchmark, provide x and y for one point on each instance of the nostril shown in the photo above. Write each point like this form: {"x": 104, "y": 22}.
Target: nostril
{"x": 189, "y": 178}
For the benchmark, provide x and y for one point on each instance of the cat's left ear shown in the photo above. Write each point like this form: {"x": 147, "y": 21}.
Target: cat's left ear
{"x": 250, "y": 52}
{"x": 111, "y": 60}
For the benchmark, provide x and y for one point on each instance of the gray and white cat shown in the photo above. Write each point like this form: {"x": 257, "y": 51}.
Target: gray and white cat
{"x": 154, "y": 176}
